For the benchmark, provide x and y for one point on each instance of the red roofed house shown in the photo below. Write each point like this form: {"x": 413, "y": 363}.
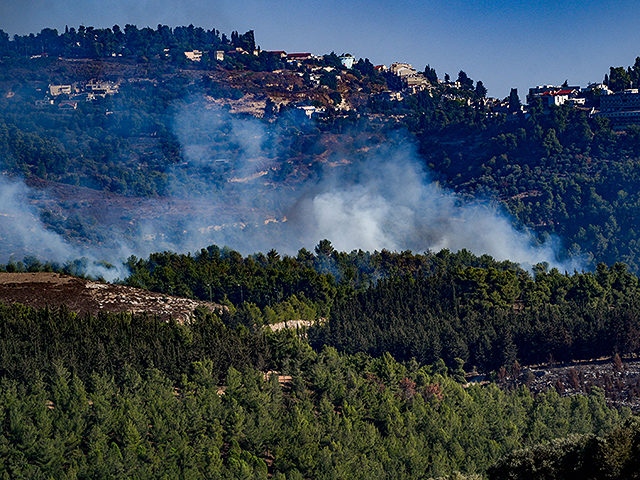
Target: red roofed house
{"x": 556, "y": 98}
{"x": 551, "y": 95}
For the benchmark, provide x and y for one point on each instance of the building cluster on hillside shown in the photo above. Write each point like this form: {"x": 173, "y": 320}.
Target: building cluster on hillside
{"x": 291, "y": 58}
{"x": 67, "y": 96}
{"x": 621, "y": 108}
{"x": 411, "y": 79}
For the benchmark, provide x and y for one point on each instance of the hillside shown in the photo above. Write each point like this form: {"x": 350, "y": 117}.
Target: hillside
{"x": 417, "y": 234}
{"x": 86, "y": 297}
{"x": 244, "y": 139}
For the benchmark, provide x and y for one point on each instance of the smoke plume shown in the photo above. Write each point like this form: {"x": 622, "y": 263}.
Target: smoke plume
{"x": 227, "y": 193}
{"x": 23, "y": 235}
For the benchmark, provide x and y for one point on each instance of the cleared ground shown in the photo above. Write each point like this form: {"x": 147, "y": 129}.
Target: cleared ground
{"x": 53, "y": 290}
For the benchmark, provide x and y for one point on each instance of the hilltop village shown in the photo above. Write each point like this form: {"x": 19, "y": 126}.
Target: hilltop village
{"x": 597, "y": 99}
{"x": 240, "y": 52}
{"x": 97, "y": 109}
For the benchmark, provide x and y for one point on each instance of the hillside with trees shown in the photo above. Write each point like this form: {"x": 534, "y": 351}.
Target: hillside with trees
{"x": 377, "y": 385}
{"x": 557, "y": 171}
{"x": 322, "y": 363}
{"x": 120, "y": 396}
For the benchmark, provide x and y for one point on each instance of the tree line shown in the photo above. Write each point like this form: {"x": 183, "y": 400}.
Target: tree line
{"x": 431, "y": 306}
{"x": 130, "y": 41}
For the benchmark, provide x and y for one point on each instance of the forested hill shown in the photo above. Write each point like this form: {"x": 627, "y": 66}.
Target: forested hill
{"x": 121, "y": 396}
{"x": 429, "y": 307}
{"x": 452, "y": 307}
{"x": 558, "y": 171}
{"x": 222, "y": 396}
{"x": 400, "y": 365}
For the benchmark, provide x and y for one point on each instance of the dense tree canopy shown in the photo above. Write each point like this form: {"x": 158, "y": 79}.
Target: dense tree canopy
{"x": 121, "y": 396}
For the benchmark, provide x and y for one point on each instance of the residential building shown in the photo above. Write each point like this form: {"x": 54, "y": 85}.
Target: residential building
{"x": 194, "y": 55}
{"x": 347, "y": 61}
{"x": 551, "y": 94}
{"x": 555, "y": 98}
{"x": 84, "y": 97}
{"x": 417, "y": 80}
{"x": 622, "y": 108}
{"x": 55, "y": 90}
{"x": 604, "y": 90}
{"x": 44, "y": 102}
{"x": 238, "y": 51}
{"x": 577, "y": 102}
{"x": 308, "y": 110}
{"x": 402, "y": 70}
{"x": 298, "y": 56}
{"x": 102, "y": 88}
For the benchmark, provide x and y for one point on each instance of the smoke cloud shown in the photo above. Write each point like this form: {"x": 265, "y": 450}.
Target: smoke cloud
{"x": 384, "y": 201}
{"x": 23, "y": 234}
{"x": 389, "y": 202}
{"x": 225, "y": 194}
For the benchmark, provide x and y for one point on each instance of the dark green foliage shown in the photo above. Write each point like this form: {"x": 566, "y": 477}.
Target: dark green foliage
{"x": 143, "y": 44}
{"x": 430, "y": 74}
{"x": 447, "y": 306}
{"x": 558, "y": 172}
{"x": 490, "y": 317}
{"x": 464, "y": 80}
{"x": 514, "y": 101}
{"x": 619, "y": 79}
{"x": 69, "y": 414}
{"x": 218, "y": 274}
{"x": 615, "y": 455}
{"x": 32, "y": 341}
{"x": 119, "y": 394}
{"x": 481, "y": 90}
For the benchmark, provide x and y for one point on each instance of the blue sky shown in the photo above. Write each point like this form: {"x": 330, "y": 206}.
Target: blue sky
{"x": 519, "y": 43}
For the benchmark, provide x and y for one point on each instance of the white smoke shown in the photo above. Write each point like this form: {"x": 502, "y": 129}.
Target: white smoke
{"x": 393, "y": 205}
{"x": 20, "y": 227}
{"x": 224, "y": 194}
{"x": 23, "y": 234}
{"x": 385, "y": 201}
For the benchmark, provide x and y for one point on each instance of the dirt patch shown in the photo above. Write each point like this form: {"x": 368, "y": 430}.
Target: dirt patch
{"x": 53, "y": 290}
{"x": 49, "y": 278}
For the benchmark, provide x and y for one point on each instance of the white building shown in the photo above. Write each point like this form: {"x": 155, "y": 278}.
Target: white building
{"x": 55, "y": 90}
{"x": 194, "y": 56}
{"x": 556, "y": 98}
{"x": 622, "y": 108}
{"x": 102, "y": 88}
{"x": 395, "y": 67}
{"x": 308, "y": 110}
{"x": 347, "y": 61}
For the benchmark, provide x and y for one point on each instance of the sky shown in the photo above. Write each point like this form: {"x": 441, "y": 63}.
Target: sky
{"x": 506, "y": 44}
